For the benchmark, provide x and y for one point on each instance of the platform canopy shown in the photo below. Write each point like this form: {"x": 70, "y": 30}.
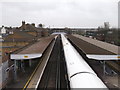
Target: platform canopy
{"x": 95, "y": 49}
{"x": 104, "y": 57}
{"x": 33, "y": 51}
{"x": 25, "y": 56}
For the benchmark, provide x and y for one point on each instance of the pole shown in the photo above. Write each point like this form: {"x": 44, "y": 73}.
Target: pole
{"x": 30, "y": 62}
{"x": 22, "y": 65}
{"x": 104, "y": 67}
{"x": 15, "y": 70}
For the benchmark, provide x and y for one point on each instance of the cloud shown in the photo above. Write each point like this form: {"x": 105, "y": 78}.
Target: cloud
{"x": 60, "y": 13}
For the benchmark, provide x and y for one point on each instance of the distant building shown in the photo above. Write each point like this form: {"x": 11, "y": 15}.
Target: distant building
{"x": 29, "y": 28}
{"x": 3, "y": 30}
{"x": 106, "y": 25}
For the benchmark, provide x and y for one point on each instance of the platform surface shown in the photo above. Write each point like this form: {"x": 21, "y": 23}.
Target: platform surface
{"x": 95, "y": 49}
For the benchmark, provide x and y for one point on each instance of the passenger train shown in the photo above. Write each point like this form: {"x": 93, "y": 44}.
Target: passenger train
{"x": 80, "y": 74}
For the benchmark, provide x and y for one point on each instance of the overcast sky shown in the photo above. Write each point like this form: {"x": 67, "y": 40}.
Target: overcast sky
{"x": 59, "y": 13}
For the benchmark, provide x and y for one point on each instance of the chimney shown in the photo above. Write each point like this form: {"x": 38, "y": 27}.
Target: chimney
{"x": 33, "y": 24}
{"x": 23, "y": 23}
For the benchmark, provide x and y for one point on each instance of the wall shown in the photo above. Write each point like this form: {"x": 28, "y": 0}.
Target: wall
{"x": 3, "y": 74}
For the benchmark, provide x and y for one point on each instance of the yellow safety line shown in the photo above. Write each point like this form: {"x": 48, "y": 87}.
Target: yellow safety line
{"x": 118, "y": 56}
{"x": 31, "y": 76}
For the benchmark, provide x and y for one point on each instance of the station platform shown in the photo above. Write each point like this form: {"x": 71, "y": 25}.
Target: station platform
{"x": 25, "y": 65}
{"x": 33, "y": 51}
{"x": 95, "y": 49}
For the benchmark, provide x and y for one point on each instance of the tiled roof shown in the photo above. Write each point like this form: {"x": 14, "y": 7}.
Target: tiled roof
{"x": 19, "y": 36}
{"x": 28, "y": 27}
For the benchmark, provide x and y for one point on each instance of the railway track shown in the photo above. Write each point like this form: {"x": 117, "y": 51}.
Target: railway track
{"x": 54, "y": 76}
